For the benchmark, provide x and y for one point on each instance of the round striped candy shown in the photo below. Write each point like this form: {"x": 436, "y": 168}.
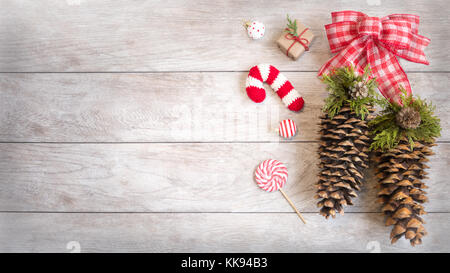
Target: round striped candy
{"x": 271, "y": 175}
{"x": 287, "y": 128}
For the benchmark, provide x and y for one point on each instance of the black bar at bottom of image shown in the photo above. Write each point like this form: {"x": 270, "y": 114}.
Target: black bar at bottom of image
{"x": 214, "y": 262}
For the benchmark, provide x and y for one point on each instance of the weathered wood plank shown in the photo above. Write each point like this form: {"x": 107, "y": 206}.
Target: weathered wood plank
{"x": 166, "y": 107}
{"x": 183, "y": 35}
{"x": 183, "y": 177}
{"x": 205, "y": 232}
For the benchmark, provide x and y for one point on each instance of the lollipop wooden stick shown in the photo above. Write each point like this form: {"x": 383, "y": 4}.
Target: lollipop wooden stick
{"x": 270, "y": 176}
{"x": 292, "y": 205}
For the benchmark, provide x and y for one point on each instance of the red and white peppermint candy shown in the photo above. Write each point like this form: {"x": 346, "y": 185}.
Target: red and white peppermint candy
{"x": 287, "y": 128}
{"x": 271, "y": 175}
{"x": 265, "y": 73}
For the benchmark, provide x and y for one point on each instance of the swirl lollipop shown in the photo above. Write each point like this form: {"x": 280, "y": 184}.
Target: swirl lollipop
{"x": 271, "y": 175}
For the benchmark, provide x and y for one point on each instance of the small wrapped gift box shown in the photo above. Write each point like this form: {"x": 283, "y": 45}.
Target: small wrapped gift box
{"x": 295, "y": 39}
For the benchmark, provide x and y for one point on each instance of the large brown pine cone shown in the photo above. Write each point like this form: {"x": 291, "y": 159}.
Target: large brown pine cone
{"x": 400, "y": 172}
{"x": 343, "y": 154}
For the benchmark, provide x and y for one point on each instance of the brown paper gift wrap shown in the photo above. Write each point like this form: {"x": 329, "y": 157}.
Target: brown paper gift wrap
{"x": 288, "y": 42}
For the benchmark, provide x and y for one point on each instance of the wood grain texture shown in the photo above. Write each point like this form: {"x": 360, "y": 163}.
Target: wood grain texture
{"x": 184, "y": 35}
{"x": 206, "y": 232}
{"x": 215, "y": 177}
{"x": 163, "y": 160}
{"x": 167, "y": 107}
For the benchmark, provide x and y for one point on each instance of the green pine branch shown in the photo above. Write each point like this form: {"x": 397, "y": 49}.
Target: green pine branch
{"x": 387, "y": 133}
{"x": 339, "y": 82}
{"x": 292, "y": 26}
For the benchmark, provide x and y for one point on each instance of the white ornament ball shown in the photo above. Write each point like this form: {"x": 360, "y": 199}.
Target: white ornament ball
{"x": 255, "y": 30}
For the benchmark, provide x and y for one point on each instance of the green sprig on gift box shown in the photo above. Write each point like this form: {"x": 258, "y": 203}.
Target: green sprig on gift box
{"x": 291, "y": 26}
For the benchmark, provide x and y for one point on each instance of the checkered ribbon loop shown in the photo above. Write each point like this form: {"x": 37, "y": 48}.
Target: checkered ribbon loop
{"x": 360, "y": 40}
{"x": 370, "y": 26}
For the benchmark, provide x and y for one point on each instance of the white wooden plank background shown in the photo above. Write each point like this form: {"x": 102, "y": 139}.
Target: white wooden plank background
{"x": 166, "y": 107}
{"x": 177, "y": 177}
{"x": 209, "y": 232}
{"x": 171, "y": 35}
{"x": 126, "y": 126}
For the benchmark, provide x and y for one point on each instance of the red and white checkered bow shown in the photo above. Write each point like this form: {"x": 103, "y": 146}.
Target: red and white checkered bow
{"x": 361, "y": 40}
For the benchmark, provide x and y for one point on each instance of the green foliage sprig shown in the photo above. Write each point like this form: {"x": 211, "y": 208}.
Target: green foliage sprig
{"x": 291, "y": 26}
{"x": 387, "y": 133}
{"x": 339, "y": 82}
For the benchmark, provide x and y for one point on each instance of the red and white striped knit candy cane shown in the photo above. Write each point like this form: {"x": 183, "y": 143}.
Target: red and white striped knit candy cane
{"x": 268, "y": 73}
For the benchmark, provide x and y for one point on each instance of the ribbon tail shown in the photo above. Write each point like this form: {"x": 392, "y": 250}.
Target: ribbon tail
{"x": 388, "y": 72}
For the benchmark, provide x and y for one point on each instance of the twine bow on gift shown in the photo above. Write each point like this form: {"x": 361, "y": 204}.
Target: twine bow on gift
{"x": 361, "y": 40}
{"x": 297, "y": 39}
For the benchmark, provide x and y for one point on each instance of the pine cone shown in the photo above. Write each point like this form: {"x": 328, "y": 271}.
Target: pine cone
{"x": 400, "y": 171}
{"x": 343, "y": 153}
{"x": 359, "y": 90}
{"x": 408, "y": 118}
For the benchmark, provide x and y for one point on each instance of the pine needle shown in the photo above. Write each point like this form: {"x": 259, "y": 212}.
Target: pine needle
{"x": 292, "y": 26}
{"x": 339, "y": 82}
{"x": 387, "y": 133}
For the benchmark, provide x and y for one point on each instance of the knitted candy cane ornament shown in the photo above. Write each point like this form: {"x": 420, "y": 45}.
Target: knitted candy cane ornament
{"x": 268, "y": 73}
